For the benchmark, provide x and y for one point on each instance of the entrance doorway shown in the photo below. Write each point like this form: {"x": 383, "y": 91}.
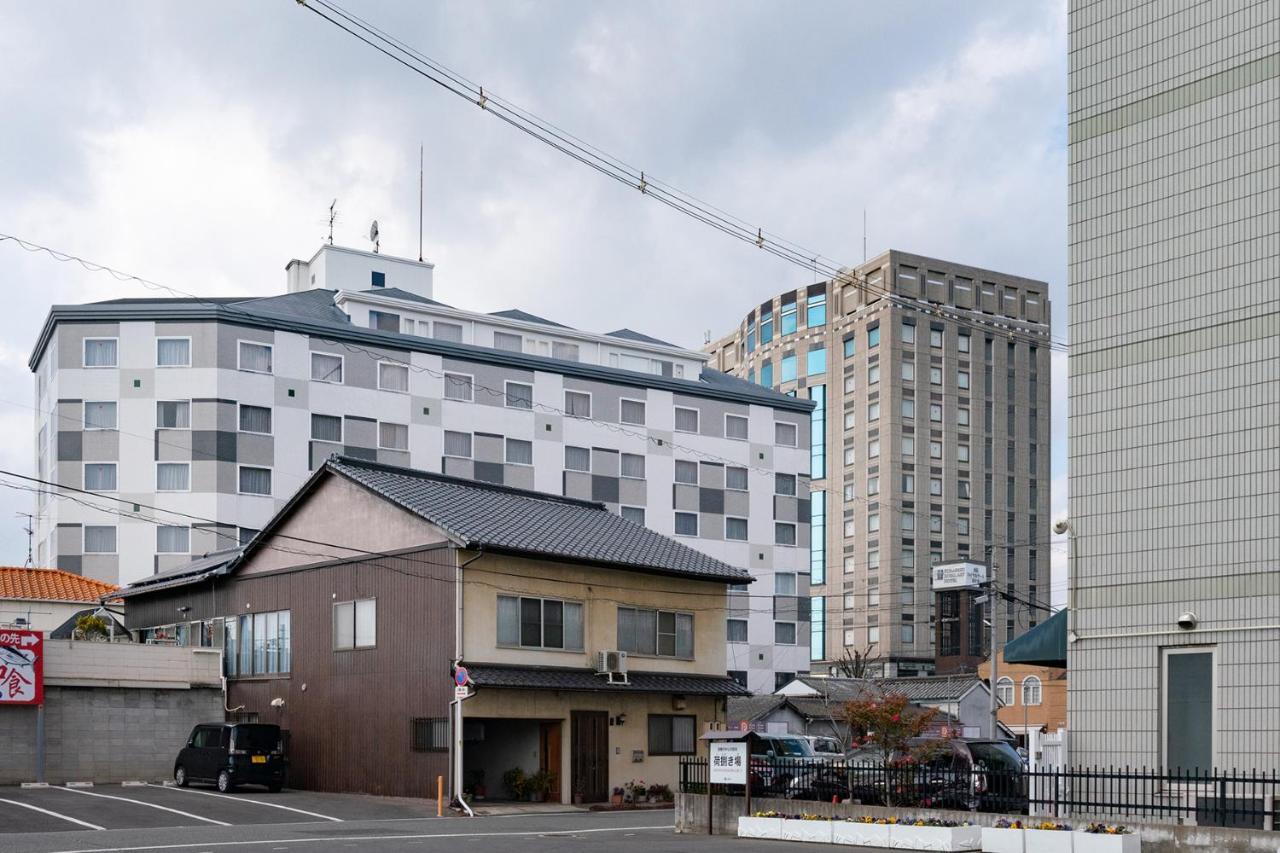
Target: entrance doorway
{"x": 549, "y": 757}
{"x": 589, "y": 740}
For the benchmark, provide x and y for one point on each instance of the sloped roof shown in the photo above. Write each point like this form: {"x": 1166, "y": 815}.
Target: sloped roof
{"x": 932, "y": 688}
{"x": 526, "y": 317}
{"x": 399, "y": 293}
{"x": 633, "y": 335}
{"x": 1043, "y": 645}
{"x": 67, "y": 630}
{"x": 752, "y": 708}
{"x": 50, "y": 585}
{"x": 206, "y": 565}
{"x": 482, "y": 515}
{"x": 586, "y": 680}
{"x": 314, "y": 304}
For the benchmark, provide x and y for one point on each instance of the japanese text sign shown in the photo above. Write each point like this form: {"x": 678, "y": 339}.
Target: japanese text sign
{"x": 728, "y": 763}
{"x": 21, "y": 667}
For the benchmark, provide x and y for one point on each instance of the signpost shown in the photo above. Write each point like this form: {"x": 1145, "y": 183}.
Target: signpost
{"x": 21, "y": 667}
{"x": 726, "y": 765}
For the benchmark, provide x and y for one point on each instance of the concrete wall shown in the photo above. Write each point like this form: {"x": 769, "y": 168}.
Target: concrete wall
{"x": 79, "y": 664}
{"x": 40, "y": 615}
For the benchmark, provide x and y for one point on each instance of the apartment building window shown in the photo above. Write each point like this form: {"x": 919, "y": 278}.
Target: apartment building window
{"x": 818, "y": 537}
{"x": 962, "y": 380}
{"x": 784, "y": 633}
{"x": 355, "y": 624}
{"x": 873, "y": 560}
{"x": 785, "y": 434}
{"x": 393, "y": 377}
{"x": 577, "y": 404}
{"x": 908, "y": 522}
{"x": 575, "y": 458}
{"x": 393, "y": 436}
{"x": 459, "y": 386}
{"x": 935, "y": 413}
{"x": 766, "y": 374}
{"x": 873, "y": 374}
{"x": 850, "y": 493}
{"x": 735, "y": 426}
{"x": 686, "y": 420}
{"x": 448, "y": 332}
{"x": 935, "y": 525}
{"x": 873, "y": 336}
{"x": 672, "y": 734}
{"x": 633, "y": 514}
{"x": 736, "y": 630}
{"x": 784, "y": 484}
{"x": 850, "y": 456}
{"x": 818, "y": 628}
{"x": 518, "y": 395}
{"x": 850, "y": 419}
{"x": 173, "y": 414}
{"x": 962, "y": 453}
{"x": 818, "y": 432}
{"x": 508, "y": 342}
{"x": 735, "y": 479}
{"x": 784, "y": 583}
{"x": 816, "y": 361}
{"x": 326, "y": 428}
{"x": 908, "y": 371}
{"x": 255, "y": 481}
{"x": 784, "y": 533}
{"x": 172, "y": 539}
{"x": 935, "y": 486}
{"x": 518, "y": 451}
{"x": 962, "y": 417}
{"x": 873, "y": 522}
{"x": 908, "y": 634}
{"x": 908, "y": 332}
{"x": 873, "y": 486}
{"x": 788, "y": 322}
{"x": 258, "y": 644}
{"x": 788, "y": 369}
{"x": 1034, "y": 453}
{"x": 909, "y": 483}
{"x": 962, "y": 342}
{"x": 988, "y": 349}
{"x": 963, "y": 489}
{"x": 100, "y": 352}
{"x": 909, "y": 409}
{"x": 935, "y": 338}
{"x": 816, "y": 310}
{"x": 631, "y": 412}
{"x": 987, "y": 489}
{"x": 935, "y": 376}
{"x": 326, "y": 367}
{"x": 173, "y": 476}
{"x": 988, "y": 415}
{"x": 850, "y": 384}
{"x": 663, "y": 633}
{"x": 173, "y": 352}
{"x": 632, "y": 466}
{"x": 686, "y": 472}
{"x": 873, "y": 412}
{"x": 909, "y": 448}
{"x": 1010, "y": 420}
{"x": 962, "y": 526}
{"x": 873, "y": 448}
{"x": 686, "y": 524}
{"x": 539, "y": 623}
{"x": 766, "y": 327}
{"x": 100, "y": 476}
{"x": 99, "y": 415}
{"x": 384, "y": 321}
{"x": 735, "y": 528}
{"x": 850, "y": 346}
{"x": 1009, "y": 494}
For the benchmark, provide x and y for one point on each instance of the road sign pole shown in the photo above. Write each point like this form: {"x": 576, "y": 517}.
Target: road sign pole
{"x": 40, "y": 742}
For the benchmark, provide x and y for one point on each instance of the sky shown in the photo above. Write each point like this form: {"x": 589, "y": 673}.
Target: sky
{"x": 200, "y": 145}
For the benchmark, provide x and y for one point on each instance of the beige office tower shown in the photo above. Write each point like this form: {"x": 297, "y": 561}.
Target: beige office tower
{"x": 930, "y": 443}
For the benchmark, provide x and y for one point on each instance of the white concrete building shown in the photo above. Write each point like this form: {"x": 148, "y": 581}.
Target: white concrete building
{"x": 193, "y": 420}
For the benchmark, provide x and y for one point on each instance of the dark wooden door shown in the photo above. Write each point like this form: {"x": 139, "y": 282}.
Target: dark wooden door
{"x": 589, "y": 741}
{"x": 549, "y": 757}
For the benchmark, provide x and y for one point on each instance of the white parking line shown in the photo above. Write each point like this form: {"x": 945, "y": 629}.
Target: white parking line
{"x": 143, "y": 803}
{"x": 52, "y": 814}
{"x": 246, "y": 800}
{"x": 349, "y": 838}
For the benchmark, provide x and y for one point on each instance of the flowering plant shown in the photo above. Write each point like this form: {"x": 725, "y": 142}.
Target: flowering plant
{"x": 765, "y": 814}
{"x": 1107, "y": 829}
{"x": 1050, "y": 825}
{"x": 934, "y": 821}
{"x": 1005, "y": 823}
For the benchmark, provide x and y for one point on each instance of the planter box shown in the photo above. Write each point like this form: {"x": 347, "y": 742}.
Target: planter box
{"x": 760, "y": 827}
{"x": 907, "y": 837}
{"x": 1048, "y": 840}
{"x": 860, "y": 834}
{"x": 1089, "y": 842}
{"x": 807, "y": 830}
{"x": 1002, "y": 840}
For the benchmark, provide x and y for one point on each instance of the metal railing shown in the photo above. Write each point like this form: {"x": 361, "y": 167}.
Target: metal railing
{"x": 1239, "y": 799}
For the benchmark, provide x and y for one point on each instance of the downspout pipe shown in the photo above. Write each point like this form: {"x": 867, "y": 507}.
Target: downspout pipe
{"x": 455, "y": 751}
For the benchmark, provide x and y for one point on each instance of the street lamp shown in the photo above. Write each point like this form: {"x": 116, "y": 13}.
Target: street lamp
{"x": 1060, "y": 527}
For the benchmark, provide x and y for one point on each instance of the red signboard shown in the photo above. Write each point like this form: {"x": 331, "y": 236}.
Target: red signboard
{"x": 21, "y": 667}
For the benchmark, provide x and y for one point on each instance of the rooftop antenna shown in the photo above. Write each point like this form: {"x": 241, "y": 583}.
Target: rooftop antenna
{"x": 333, "y": 214}
{"x": 30, "y": 531}
{"x": 420, "y": 163}
{"x": 373, "y": 236}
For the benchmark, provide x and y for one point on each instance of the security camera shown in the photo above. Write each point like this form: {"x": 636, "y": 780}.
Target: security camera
{"x": 277, "y": 702}
{"x": 1061, "y": 527}
{"x": 1188, "y": 620}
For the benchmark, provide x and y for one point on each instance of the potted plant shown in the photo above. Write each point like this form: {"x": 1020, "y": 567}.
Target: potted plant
{"x": 514, "y": 783}
{"x": 578, "y": 795}
{"x": 1048, "y": 837}
{"x": 865, "y": 831}
{"x": 660, "y": 793}
{"x": 1005, "y": 836}
{"x": 760, "y": 825}
{"x": 616, "y": 798}
{"x": 537, "y": 785}
{"x": 1106, "y": 838}
{"x": 935, "y": 834}
{"x": 636, "y": 791}
{"x": 807, "y": 827}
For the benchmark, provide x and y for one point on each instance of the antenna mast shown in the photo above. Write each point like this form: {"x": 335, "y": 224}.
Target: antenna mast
{"x": 30, "y": 531}
{"x": 333, "y": 214}
{"x": 420, "y": 167}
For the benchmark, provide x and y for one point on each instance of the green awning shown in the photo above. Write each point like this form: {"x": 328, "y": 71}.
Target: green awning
{"x": 1043, "y": 645}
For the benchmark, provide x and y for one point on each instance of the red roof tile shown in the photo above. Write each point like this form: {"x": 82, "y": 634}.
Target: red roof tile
{"x": 50, "y": 585}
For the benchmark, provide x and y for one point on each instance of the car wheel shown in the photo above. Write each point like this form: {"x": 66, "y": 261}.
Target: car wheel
{"x": 180, "y": 777}
{"x": 224, "y": 781}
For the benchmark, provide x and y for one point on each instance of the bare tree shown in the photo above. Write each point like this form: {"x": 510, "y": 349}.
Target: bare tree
{"x": 858, "y": 664}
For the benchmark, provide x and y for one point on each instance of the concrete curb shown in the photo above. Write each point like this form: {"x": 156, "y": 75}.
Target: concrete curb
{"x": 35, "y": 784}
{"x": 79, "y": 785}
{"x": 133, "y": 783}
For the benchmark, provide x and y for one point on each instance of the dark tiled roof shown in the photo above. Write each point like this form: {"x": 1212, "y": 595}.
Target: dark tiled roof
{"x": 314, "y": 304}
{"x": 934, "y": 688}
{"x": 481, "y": 515}
{"x": 525, "y": 316}
{"x": 213, "y": 563}
{"x": 67, "y": 630}
{"x": 633, "y": 335}
{"x": 751, "y": 708}
{"x": 558, "y": 678}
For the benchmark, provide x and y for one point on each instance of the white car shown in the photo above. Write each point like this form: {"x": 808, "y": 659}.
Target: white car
{"x": 825, "y": 747}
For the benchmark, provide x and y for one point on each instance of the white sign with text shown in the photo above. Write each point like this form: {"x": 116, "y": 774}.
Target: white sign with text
{"x": 728, "y": 763}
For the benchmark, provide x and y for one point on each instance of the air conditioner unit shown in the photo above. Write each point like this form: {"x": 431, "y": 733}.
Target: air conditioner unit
{"x": 612, "y": 664}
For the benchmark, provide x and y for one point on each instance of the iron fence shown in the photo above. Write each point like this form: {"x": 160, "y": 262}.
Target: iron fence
{"x": 1240, "y": 799}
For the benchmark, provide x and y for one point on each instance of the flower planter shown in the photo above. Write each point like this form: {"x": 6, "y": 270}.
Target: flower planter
{"x": 807, "y": 830}
{"x": 1048, "y": 840}
{"x": 860, "y": 834}
{"x": 996, "y": 840}
{"x": 908, "y": 837}
{"x": 760, "y": 827}
{"x": 1100, "y": 842}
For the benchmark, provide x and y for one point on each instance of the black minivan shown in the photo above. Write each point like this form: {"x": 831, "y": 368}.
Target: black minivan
{"x": 231, "y": 754}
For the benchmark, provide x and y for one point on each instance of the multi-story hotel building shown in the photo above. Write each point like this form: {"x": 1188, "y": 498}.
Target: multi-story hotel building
{"x": 193, "y": 421}
{"x": 930, "y": 442}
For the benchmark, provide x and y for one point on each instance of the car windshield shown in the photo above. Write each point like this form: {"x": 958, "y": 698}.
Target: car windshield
{"x": 995, "y": 756}
{"x": 791, "y": 748}
{"x": 826, "y": 746}
{"x": 256, "y": 737}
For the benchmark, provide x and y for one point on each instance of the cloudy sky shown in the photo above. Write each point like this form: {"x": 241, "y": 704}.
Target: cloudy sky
{"x": 200, "y": 145}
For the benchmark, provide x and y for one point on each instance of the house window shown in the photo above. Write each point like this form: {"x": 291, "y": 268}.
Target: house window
{"x": 99, "y": 416}
{"x": 735, "y": 426}
{"x": 686, "y": 420}
{"x": 784, "y": 633}
{"x": 736, "y": 630}
{"x": 431, "y": 734}
{"x": 633, "y": 514}
{"x": 510, "y": 343}
{"x": 384, "y": 321}
{"x": 328, "y": 368}
{"x": 784, "y": 533}
{"x": 326, "y": 428}
{"x": 100, "y": 476}
{"x": 258, "y": 419}
{"x": 355, "y": 624}
{"x": 686, "y": 524}
{"x": 457, "y": 444}
{"x": 1031, "y": 691}
{"x": 448, "y": 332}
{"x": 258, "y": 644}
{"x": 784, "y": 484}
{"x": 519, "y": 395}
{"x": 171, "y": 539}
{"x": 519, "y": 452}
{"x": 255, "y": 358}
{"x": 539, "y": 623}
{"x": 563, "y": 351}
{"x": 735, "y": 528}
{"x": 99, "y": 539}
{"x": 686, "y": 472}
{"x": 173, "y": 352}
{"x": 577, "y": 459}
{"x": 632, "y": 466}
{"x": 782, "y": 679}
{"x": 735, "y": 479}
{"x": 100, "y": 352}
{"x": 671, "y": 734}
{"x": 577, "y": 404}
{"x": 785, "y": 434}
{"x": 663, "y": 633}
{"x": 393, "y": 436}
{"x": 632, "y": 412}
{"x": 458, "y": 386}
{"x": 393, "y": 377}
{"x": 173, "y": 476}
{"x": 173, "y": 414}
{"x": 1187, "y": 705}
{"x": 255, "y": 481}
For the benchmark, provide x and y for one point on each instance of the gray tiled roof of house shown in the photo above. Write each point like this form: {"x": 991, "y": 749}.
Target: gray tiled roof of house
{"x": 482, "y": 515}
{"x": 751, "y": 708}
{"x": 562, "y": 678}
{"x": 525, "y": 316}
{"x": 633, "y": 335}
{"x": 206, "y": 565}
{"x": 397, "y": 293}
{"x": 934, "y": 688}
{"x": 314, "y": 304}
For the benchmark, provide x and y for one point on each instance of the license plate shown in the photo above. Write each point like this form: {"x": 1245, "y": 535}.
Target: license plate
{"x": 259, "y": 759}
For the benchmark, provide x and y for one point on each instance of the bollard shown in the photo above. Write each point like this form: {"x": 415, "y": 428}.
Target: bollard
{"x": 439, "y": 796}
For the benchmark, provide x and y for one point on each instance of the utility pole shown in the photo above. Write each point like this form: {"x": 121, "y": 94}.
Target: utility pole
{"x": 994, "y": 596}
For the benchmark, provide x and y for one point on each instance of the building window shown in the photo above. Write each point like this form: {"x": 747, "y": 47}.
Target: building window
{"x": 908, "y": 332}
{"x": 632, "y": 412}
{"x": 908, "y": 522}
{"x": 816, "y": 361}
{"x": 908, "y": 371}
{"x": 459, "y": 386}
{"x": 909, "y": 483}
{"x": 873, "y": 634}
{"x": 328, "y": 368}
{"x": 873, "y": 522}
{"x": 100, "y": 352}
{"x": 766, "y": 327}
{"x": 785, "y": 434}
{"x": 935, "y": 412}
{"x": 873, "y": 374}
{"x": 519, "y": 452}
{"x": 736, "y": 630}
{"x": 670, "y": 734}
{"x": 326, "y": 428}
{"x": 686, "y": 524}
{"x": 788, "y": 323}
{"x": 686, "y": 420}
{"x": 818, "y": 628}
{"x": 935, "y": 486}
{"x": 99, "y": 539}
{"x": 577, "y": 404}
{"x": 909, "y": 448}
{"x": 173, "y": 352}
{"x": 262, "y": 641}
{"x": 735, "y": 426}
{"x": 1004, "y": 690}
{"x": 873, "y": 337}
{"x": 686, "y": 472}
{"x": 818, "y": 537}
{"x": 632, "y": 466}
{"x": 935, "y": 450}
{"x": 448, "y": 332}
{"x": 173, "y": 476}
{"x": 577, "y": 459}
{"x": 258, "y": 419}
{"x": 873, "y": 485}
{"x": 784, "y": 633}
{"x": 564, "y": 351}
{"x": 909, "y": 409}
{"x": 393, "y": 436}
{"x": 962, "y": 417}
{"x": 962, "y": 453}
{"x": 431, "y": 734}
{"x": 519, "y": 395}
{"x": 784, "y": 533}
{"x": 244, "y": 535}
{"x": 782, "y": 679}
{"x": 255, "y": 481}
{"x": 1187, "y": 705}
{"x": 735, "y": 528}
{"x": 1031, "y": 691}
{"x": 171, "y": 539}
{"x": 784, "y": 484}
{"x": 393, "y": 377}
{"x": 539, "y": 623}
{"x": 935, "y": 338}
{"x": 384, "y": 321}
{"x": 873, "y": 448}
{"x": 788, "y": 369}
{"x": 963, "y": 489}
{"x": 873, "y": 412}
{"x": 784, "y": 583}
{"x": 908, "y": 635}
{"x": 355, "y": 624}
{"x": 508, "y": 342}
{"x": 663, "y": 633}
{"x": 100, "y": 476}
{"x": 633, "y": 514}
{"x": 173, "y": 414}
{"x": 962, "y": 342}
{"x": 850, "y": 347}
{"x": 766, "y": 374}
{"x": 816, "y": 310}
{"x": 99, "y": 415}
{"x": 818, "y": 432}
{"x": 962, "y": 380}
{"x": 735, "y": 479}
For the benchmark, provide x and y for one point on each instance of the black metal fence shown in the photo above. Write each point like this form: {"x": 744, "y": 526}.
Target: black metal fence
{"x": 1246, "y": 800}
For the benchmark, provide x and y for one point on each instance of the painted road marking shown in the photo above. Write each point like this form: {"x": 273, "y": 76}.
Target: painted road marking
{"x": 346, "y": 839}
{"x": 144, "y": 803}
{"x": 246, "y": 800}
{"x": 52, "y": 814}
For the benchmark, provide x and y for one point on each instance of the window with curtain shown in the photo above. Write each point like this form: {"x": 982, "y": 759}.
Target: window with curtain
{"x": 100, "y": 476}
{"x": 686, "y": 524}
{"x": 255, "y": 481}
{"x": 100, "y": 352}
{"x": 173, "y": 352}
{"x": 172, "y": 539}
{"x": 393, "y": 436}
{"x": 633, "y": 514}
{"x": 577, "y": 404}
{"x": 686, "y": 419}
{"x": 457, "y": 444}
{"x": 784, "y": 484}
{"x": 355, "y": 624}
{"x": 173, "y": 414}
{"x": 632, "y": 466}
{"x": 328, "y": 368}
{"x": 263, "y": 641}
{"x": 539, "y": 623}
{"x": 785, "y": 434}
{"x": 671, "y": 734}
{"x": 736, "y": 630}
{"x": 173, "y": 476}
{"x": 735, "y": 528}
{"x": 458, "y": 386}
{"x": 326, "y": 428}
{"x": 735, "y": 426}
{"x": 519, "y": 451}
{"x": 257, "y": 419}
{"x": 632, "y": 412}
{"x": 519, "y": 395}
{"x": 393, "y": 377}
{"x": 100, "y": 415}
{"x": 1031, "y": 690}
{"x": 735, "y": 478}
{"x": 577, "y": 459}
{"x": 686, "y": 472}
{"x": 508, "y": 342}
{"x": 563, "y": 351}
{"x": 448, "y": 332}
{"x": 255, "y": 358}
{"x": 784, "y": 533}
{"x": 99, "y": 539}
{"x": 663, "y": 633}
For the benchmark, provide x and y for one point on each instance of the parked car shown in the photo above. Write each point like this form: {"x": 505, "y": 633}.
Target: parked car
{"x": 776, "y": 760}
{"x": 825, "y": 747}
{"x": 231, "y": 754}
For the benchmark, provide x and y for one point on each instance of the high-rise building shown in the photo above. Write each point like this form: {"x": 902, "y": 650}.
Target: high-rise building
{"x": 930, "y": 442}
{"x": 1174, "y": 290}
{"x": 215, "y": 411}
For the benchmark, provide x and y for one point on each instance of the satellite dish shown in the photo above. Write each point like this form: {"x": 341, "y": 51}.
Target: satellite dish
{"x": 373, "y": 234}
